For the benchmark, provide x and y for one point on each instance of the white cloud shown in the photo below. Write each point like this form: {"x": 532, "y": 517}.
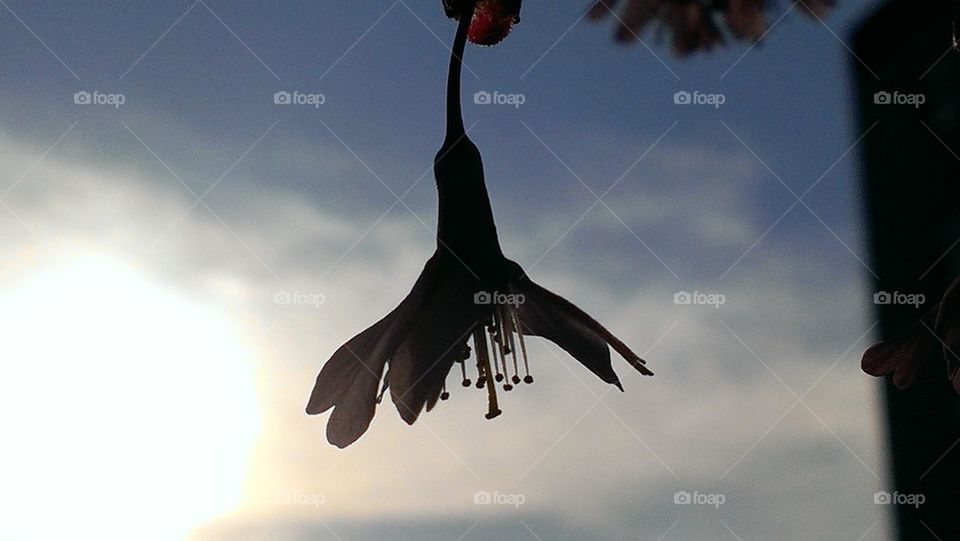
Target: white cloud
{"x": 708, "y": 403}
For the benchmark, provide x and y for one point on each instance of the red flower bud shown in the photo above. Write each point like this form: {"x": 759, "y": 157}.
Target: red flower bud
{"x": 492, "y": 19}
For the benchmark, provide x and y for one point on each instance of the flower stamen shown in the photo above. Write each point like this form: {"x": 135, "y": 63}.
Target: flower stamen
{"x": 483, "y": 365}
{"x": 497, "y": 363}
{"x": 463, "y": 371}
{"x": 510, "y": 328}
{"x": 527, "y": 378}
{"x": 496, "y": 343}
{"x": 493, "y": 341}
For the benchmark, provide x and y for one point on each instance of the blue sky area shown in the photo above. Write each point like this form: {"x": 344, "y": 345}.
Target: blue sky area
{"x": 197, "y": 429}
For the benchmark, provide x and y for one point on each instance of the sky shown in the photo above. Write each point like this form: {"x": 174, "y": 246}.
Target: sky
{"x": 179, "y": 256}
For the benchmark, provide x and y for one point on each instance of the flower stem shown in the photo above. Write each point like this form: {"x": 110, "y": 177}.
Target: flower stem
{"x": 455, "y": 128}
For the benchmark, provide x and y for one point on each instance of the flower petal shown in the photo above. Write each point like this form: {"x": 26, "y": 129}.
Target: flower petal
{"x": 348, "y": 381}
{"x": 550, "y": 316}
{"x": 435, "y": 340}
{"x": 904, "y": 355}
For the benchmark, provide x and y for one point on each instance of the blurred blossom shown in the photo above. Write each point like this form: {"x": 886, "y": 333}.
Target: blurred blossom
{"x": 695, "y": 25}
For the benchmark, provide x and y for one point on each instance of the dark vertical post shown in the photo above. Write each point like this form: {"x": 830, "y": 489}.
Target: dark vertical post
{"x": 911, "y": 183}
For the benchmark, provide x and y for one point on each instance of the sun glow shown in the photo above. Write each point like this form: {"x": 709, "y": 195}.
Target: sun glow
{"x": 127, "y": 409}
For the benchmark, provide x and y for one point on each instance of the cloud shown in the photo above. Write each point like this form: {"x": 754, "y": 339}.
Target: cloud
{"x": 607, "y": 467}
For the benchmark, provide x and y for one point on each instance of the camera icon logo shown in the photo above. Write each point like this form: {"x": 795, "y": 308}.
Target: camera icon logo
{"x": 682, "y": 498}
{"x": 82, "y": 98}
{"x": 682, "y": 297}
{"x": 682, "y": 98}
{"x": 482, "y": 498}
{"x": 282, "y": 297}
{"x": 281, "y": 98}
{"x": 482, "y": 297}
{"x": 882, "y": 297}
{"x": 482, "y": 98}
{"x": 882, "y": 498}
{"x": 882, "y": 98}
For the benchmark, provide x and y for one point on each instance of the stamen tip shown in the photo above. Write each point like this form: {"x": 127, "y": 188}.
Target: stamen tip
{"x": 528, "y": 379}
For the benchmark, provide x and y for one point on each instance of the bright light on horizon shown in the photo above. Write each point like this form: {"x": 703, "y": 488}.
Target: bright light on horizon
{"x": 128, "y": 410}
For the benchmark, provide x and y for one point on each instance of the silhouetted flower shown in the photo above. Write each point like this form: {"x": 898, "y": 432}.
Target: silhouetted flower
{"x": 936, "y": 335}
{"x": 468, "y": 291}
{"x": 692, "y": 23}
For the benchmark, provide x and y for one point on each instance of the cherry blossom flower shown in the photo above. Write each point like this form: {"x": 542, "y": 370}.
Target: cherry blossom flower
{"x": 468, "y": 293}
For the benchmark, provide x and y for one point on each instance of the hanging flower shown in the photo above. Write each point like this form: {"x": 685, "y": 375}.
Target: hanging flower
{"x": 470, "y": 309}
